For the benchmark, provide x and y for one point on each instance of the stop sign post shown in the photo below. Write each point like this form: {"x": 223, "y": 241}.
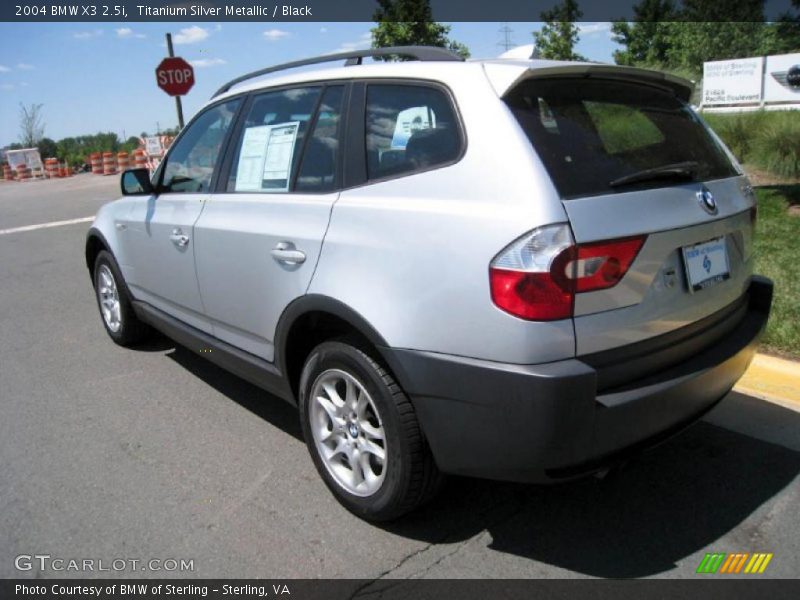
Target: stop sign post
{"x": 176, "y": 77}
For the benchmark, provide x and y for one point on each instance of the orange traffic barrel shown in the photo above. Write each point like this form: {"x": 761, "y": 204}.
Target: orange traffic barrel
{"x": 139, "y": 159}
{"x": 96, "y": 161}
{"x": 65, "y": 171}
{"x": 23, "y": 173}
{"x": 123, "y": 161}
{"x": 51, "y": 167}
{"x": 8, "y": 172}
{"x": 109, "y": 163}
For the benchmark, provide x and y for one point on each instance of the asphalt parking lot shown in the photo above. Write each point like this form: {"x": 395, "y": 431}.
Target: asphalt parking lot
{"x": 110, "y": 453}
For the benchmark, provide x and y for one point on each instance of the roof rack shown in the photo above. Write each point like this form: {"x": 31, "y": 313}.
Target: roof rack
{"x": 421, "y": 53}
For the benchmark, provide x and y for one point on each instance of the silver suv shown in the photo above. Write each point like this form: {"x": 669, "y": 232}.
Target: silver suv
{"x": 517, "y": 270}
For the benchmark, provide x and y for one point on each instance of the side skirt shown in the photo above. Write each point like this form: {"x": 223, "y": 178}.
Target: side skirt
{"x": 251, "y": 368}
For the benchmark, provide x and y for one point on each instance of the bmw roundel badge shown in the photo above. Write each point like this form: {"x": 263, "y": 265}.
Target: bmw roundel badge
{"x": 707, "y": 201}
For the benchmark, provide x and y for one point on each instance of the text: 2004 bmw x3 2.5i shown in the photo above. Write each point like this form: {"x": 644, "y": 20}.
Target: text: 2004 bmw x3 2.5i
{"x": 518, "y": 270}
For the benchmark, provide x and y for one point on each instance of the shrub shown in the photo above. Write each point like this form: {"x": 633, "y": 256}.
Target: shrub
{"x": 770, "y": 140}
{"x": 738, "y": 131}
{"x": 777, "y": 145}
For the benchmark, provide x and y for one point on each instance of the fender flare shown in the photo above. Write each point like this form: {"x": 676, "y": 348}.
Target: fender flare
{"x": 320, "y": 303}
{"x": 94, "y": 233}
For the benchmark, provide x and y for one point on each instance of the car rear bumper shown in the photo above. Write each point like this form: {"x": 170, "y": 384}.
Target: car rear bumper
{"x": 563, "y": 419}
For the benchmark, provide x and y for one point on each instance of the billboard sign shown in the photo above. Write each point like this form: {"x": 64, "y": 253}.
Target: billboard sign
{"x": 782, "y": 79}
{"x": 735, "y": 81}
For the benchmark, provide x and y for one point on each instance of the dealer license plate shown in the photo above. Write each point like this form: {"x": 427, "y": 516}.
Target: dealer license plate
{"x": 706, "y": 263}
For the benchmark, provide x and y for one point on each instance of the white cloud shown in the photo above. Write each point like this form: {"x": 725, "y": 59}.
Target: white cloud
{"x": 85, "y": 35}
{"x": 6, "y": 86}
{"x": 127, "y": 32}
{"x": 323, "y": 30}
{"x": 202, "y": 63}
{"x": 191, "y": 35}
{"x": 365, "y": 41}
{"x": 593, "y": 28}
{"x": 4, "y": 69}
{"x": 25, "y": 67}
{"x": 273, "y": 35}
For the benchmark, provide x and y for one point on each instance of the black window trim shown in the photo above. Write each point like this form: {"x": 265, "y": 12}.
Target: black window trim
{"x": 224, "y": 170}
{"x": 357, "y": 148}
{"x": 158, "y": 175}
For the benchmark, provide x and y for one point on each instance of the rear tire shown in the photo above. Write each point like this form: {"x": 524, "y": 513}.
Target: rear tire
{"x": 363, "y": 435}
{"x": 114, "y": 302}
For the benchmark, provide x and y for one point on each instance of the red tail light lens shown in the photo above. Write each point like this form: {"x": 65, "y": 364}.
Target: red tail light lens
{"x": 531, "y": 296}
{"x": 528, "y": 278}
{"x": 537, "y": 276}
{"x": 602, "y": 265}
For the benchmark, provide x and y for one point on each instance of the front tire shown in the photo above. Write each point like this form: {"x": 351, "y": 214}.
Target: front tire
{"x": 114, "y": 302}
{"x": 363, "y": 435}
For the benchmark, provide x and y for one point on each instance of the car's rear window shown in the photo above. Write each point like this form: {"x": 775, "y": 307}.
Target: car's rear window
{"x": 590, "y": 133}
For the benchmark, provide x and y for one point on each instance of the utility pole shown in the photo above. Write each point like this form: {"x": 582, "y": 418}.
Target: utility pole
{"x": 506, "y": 43}
{"x": 178, "y": 104}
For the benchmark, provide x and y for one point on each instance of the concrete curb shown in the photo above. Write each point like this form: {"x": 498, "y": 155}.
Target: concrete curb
{"x": 774, "y": 379}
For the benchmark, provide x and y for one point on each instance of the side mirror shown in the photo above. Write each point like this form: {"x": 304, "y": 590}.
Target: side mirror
{"x": 136, "y": 182}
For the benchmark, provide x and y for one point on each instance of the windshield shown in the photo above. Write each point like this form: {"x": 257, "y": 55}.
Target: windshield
{"x": 601, "y": 136}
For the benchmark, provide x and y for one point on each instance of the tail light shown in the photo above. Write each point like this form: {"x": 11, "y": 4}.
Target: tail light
{"x": 537, "y": 276}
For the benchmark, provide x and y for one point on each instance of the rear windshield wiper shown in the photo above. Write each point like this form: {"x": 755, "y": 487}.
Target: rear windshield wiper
{"x": 680, "y": 170}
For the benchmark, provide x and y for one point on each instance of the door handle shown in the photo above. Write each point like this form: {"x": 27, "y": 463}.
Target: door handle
{"x": 180, "y": 239}
{"x": 286, "y": 253}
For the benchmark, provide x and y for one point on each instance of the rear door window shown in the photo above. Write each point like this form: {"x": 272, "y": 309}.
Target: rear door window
{"x": 594, "y": 135}
{"x": 409, "y": 128}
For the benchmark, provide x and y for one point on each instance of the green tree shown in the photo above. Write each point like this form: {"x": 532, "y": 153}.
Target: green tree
{"x": 702, "y": 30}
{"x": 647, "y": 39}
{"x": 410, "y": 23}
{"x": 559, "y": 34}
{"x": 783, "y": 36}
{"x": 47, "y": 148}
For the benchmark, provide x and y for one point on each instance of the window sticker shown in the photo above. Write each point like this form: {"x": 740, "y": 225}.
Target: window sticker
{"x": 411, "y": 120}
{"x": 265, "y": 161}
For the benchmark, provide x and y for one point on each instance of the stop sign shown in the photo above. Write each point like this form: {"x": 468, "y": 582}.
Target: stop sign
{"x": 175, "y": 76}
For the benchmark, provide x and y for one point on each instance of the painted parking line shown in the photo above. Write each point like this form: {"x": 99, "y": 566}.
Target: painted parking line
{"x": 45, "y": 225}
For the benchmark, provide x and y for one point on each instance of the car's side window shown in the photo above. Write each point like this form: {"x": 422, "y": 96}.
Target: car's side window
{"x": 191, "y": 161}
{"x": 268, "y": 149}
{"x": 318, "y": 169}
{"x": 409, "y": 128}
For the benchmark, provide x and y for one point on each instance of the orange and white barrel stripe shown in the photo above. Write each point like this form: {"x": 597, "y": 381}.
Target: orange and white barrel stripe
{"x": 51, "y": 167}
{"x": 109, "y": 163}
{"x": 96, "y": 161}
{"x": 123, "y": 161}
{"x": 139, "y": 159}
{"x": 23, "y": 173}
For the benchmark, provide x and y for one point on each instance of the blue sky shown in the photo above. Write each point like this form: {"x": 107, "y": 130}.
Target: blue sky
{"x": 94, "y": 77}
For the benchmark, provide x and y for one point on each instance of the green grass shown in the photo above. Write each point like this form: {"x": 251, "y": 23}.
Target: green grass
{"x": 768, "y": 139}
{"x": 778, "y": 257}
